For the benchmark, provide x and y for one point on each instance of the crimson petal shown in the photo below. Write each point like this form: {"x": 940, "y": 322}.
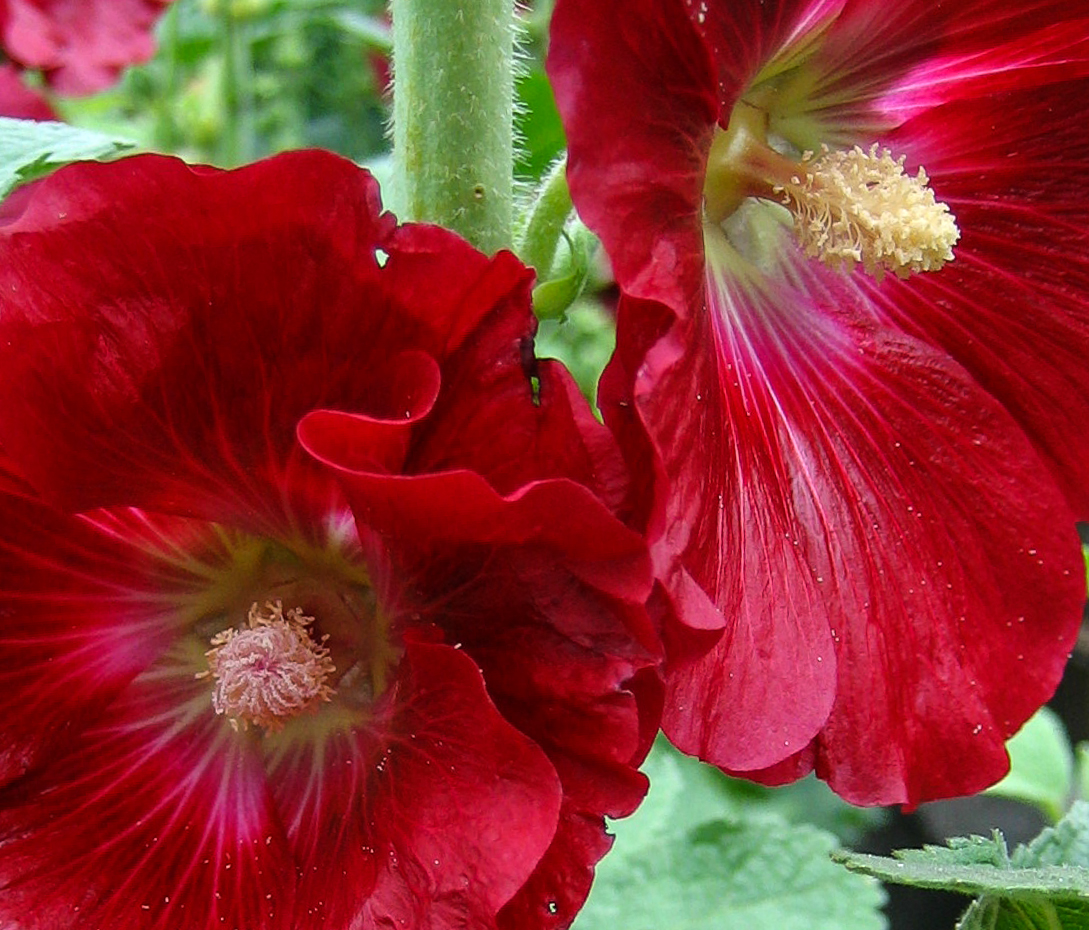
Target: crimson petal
{"x": 436, "y": 811}
{"x": 120, "y": 360}
{"x": 155, "y": 816}
{"x": 76, "y": 630}
{"x": 867, "y": 490}
{"x": 1012, "y": 309}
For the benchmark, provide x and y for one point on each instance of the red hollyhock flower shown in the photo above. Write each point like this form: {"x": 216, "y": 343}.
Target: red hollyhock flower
{"x": 18, "y": 100}
{"x": 81, "y": 45}
{"x": 313, "y": 612}
{"x": 875, "y": 468}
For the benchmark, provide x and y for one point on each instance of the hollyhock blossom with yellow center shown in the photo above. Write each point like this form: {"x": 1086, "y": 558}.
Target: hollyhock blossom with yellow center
{"x": 314, "y": 611}
{"x": 851, "y": 244}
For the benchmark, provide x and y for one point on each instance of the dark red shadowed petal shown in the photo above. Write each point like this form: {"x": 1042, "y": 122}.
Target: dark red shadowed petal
{"x": 507, "y": 415}
{"x": 508, "y": 446}
{"x": 19, "y": 101}
{"x": 1012, "y": 308}
{"x": 538, "y": 582}
{"x": 473, "y": 285}
{"x": 554, "y": 895}
{"x": 82, "y": 45}
{"x": 857, "y": 489}
{"x": 192, "y": 288}
{"x": 464, "y": 805}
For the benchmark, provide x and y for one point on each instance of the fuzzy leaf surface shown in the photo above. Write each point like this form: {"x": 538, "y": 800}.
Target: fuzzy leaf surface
{"x": 30, "y": 149}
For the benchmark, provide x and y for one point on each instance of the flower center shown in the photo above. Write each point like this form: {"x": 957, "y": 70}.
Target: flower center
{"x": 326, "y": 638}
{"x": 270, "y": 670}
{"x": 847, "y": 207}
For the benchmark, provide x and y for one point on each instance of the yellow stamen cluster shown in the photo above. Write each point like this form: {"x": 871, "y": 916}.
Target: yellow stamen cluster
{"x": 270, "y": 670}
{"x": 857, "y": 206}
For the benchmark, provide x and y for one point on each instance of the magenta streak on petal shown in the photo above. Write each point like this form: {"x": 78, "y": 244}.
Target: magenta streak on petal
{"x": 1057, "y": 52}
{"x": 159, "y": 815}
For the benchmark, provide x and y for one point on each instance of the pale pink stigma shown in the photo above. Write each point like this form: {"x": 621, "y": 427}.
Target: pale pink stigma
{"x": 269, "y": 671}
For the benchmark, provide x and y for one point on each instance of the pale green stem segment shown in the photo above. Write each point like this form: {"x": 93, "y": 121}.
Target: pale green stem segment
{"x": 237, "y": 141}
{"x": 453, "y": 139}
{"x": 546, "y": 221}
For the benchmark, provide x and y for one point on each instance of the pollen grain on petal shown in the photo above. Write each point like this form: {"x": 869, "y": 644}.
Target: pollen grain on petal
{"x": 861, "y": 206}
{"x": 269, "y": 671}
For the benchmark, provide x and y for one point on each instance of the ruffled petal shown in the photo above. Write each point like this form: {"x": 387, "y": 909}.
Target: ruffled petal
{"x": 380, "y": 440}
{"x": 888, "y": 553}
{"x": 551, "y": 607}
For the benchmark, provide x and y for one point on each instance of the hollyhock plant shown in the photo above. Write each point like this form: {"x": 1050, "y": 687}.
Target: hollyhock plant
{"x": 81, "y": 45}
{"x": 314, "y": 610}
{"x": 853, "y": 336}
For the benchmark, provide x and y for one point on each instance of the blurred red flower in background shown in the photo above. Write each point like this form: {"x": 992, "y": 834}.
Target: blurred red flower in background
{"x": 19, "y": 101}
{"x": 80, "y": 45}
{"x": 314, "y": 612}
{"x": 874, "y": 466}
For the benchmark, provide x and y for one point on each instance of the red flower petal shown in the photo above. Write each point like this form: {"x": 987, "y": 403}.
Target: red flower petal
{"x": 554, "y": 895}
{"x": 637, "y": 182}
{"x": 74, "y": 633}
{"x": 1012, "y": 308}
{"x": 82, "y": 45}
{"x": 437, "y": 812}
{"x": 554, "y": 615}
{"x": 122, "y": 360}
{"x": 156, "y": 816}
{"x": 859, "y": 489}
{"x": 774, "y": 422}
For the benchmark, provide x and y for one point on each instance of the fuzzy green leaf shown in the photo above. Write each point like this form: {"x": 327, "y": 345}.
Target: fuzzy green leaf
{"x": 1041, "y": 765}
{"x": 1044, "y": 884}
{"x": 690, "y": 859}
{"x": 30, "y": 149}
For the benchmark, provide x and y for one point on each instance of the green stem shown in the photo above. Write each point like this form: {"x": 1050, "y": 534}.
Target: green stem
{"x": 166, "y": 133}
{"x": 546, "y": 221}
{"x": 453, "y": 140}
{"x": 230, "y": 145}
{"x": 238, "y": 136}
